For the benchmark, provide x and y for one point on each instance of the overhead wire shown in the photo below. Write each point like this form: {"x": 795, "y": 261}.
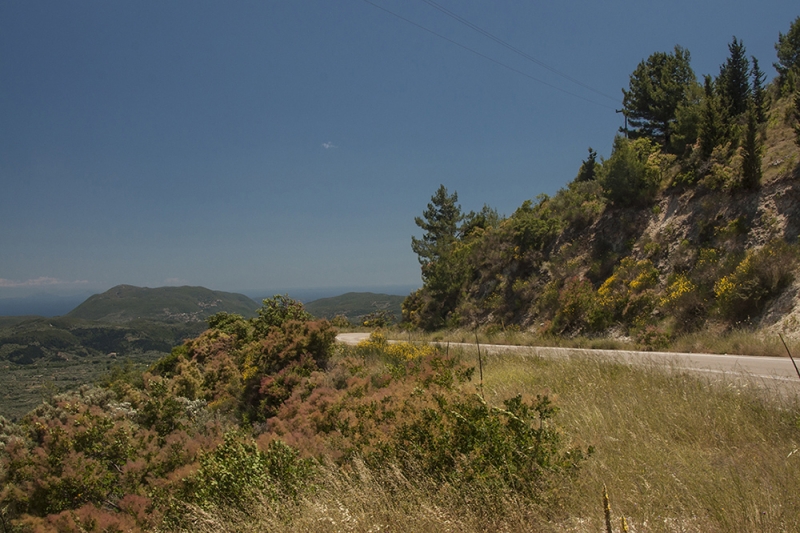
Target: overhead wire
{"x": 514, "y": 49}
{"x": 500, "y": 63}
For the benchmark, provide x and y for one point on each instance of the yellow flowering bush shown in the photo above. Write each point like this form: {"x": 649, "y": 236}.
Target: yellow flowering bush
{"x": 408, "y": 351}
{"x": 680, "y": 287}
{"x": 626, "y": 294}
{"x": 741, "y": 295}
{"x": 685, "y": 302}
{"x": 725, "y": 287}
{"x": 377, "y": 343}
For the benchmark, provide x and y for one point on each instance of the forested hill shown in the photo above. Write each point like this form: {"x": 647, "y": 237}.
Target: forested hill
{"x": 692, "y": 221}
{"x": 177, "y": 304}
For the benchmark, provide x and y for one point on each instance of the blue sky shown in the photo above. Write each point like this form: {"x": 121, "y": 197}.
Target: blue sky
{"x": 290, "y": 144}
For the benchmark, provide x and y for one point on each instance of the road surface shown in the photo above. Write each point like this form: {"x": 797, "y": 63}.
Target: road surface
{"x": 778, "y": 371}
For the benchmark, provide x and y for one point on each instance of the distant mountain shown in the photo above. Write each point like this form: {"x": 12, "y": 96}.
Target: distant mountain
{"x": 306, "y": 295}
{"x": 125, "y": 303}
{"x": 355, "y": 304}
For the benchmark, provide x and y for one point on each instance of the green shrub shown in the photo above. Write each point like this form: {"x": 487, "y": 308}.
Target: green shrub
{"x": 236, "y": 473}
{"x": 632, "y": 175}
{"x": 379, "y": 319}
{"x": 423, "y": 416}
{"x": 533, "y": 227}
{"x": 577, "y": 308}
{"x": 464, "y": 440}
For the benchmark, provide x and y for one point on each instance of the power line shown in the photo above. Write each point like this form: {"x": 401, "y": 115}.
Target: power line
{"x": 513, "y": 48}
{"x": 495, "y": 61}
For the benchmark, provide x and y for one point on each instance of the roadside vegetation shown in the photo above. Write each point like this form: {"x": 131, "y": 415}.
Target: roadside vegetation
{"x": 265, "y": 424}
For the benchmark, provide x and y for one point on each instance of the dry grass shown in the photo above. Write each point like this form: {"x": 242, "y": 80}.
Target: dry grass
{"x": 364, "y": 501}
{"x": 677, "y": 453}
{"x": 735, "y": 342}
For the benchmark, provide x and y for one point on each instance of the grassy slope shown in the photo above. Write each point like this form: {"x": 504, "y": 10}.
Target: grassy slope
{"x": 677, "y": 452}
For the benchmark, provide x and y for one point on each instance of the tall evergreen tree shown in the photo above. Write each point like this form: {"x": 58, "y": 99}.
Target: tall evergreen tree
{"x": 440, "y": 222}
{"x": 751, "y": 156}
{"x": 657, "y": 87}
{"x": 712, "y": 124}
{"x": 758, "y": 91}
{"x": 442, "y": 274}
{"x": 788, "y": 49}
{"x": 733, "y": 82}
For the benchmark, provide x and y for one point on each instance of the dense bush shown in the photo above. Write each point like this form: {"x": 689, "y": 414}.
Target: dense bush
{"x": 760, "y": 274}
{"x": 419, "y": 414}
{"x": 237, "y": 473}
{"x": 117, "y": 457}
{"x": 632, "y": 174}
{"x": 250, "y": 366}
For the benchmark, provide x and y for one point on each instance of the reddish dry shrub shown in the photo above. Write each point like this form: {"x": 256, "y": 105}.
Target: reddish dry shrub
{"x": 325, "y": 417}
{"x": 87, "y": 518}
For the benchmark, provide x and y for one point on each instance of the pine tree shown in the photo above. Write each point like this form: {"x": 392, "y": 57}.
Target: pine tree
{"x": 733, "y": 82}
{"x": 712, "y": 123}
{"x": 751, "y": 156}
{"x": 442, "y": 273}
{"x": 657, "y": 87}
{"x": 758, "y": 91}
{"x": 440, "y": 222}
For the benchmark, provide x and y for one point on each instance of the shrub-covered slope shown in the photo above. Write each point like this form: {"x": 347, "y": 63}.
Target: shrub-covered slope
{"x": 692, "y": 221}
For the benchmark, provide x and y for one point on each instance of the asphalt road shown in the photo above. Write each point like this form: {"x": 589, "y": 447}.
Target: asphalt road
{"x": 770, "y": 371}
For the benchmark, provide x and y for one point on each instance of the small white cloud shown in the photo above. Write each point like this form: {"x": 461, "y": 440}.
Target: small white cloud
{"x": 328, "y": 145}
{"x": 39, "y": 282}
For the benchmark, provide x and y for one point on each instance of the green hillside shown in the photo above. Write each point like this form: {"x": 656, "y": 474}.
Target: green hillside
{"x": 355, "y": 305}
{"x": 124, "y": 303}
{"x": 124, "y": 320}
{"x": 66, "y": 338}
{"x": 691, "y": 224}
